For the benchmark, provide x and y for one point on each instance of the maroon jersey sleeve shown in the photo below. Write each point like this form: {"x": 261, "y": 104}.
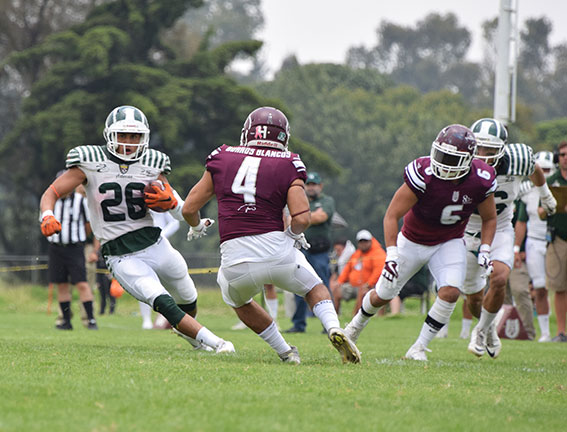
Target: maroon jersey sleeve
{"x": 415, "y": 176}
{"x": 251, "y": 185}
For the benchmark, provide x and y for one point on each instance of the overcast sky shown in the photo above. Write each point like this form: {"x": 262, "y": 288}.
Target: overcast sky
{"x": 323, "y": 30}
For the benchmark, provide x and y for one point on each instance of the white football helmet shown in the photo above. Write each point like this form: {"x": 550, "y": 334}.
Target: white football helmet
{"x": 491, "y": 134}
{"x": 545, "y": 160}
{"x": 126, "y": 119}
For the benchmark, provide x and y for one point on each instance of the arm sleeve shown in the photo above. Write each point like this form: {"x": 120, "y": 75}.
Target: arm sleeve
{"x": 176, "y": 212}
{"x": 172, "y": 225}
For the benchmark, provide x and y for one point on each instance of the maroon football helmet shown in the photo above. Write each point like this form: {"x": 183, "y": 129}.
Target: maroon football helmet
{"x": 265, "y": 127}
{"x": 452, "y": 152}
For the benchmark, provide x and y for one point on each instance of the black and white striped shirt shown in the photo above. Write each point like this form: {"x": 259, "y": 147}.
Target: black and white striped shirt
{"x": 73, "y": 213}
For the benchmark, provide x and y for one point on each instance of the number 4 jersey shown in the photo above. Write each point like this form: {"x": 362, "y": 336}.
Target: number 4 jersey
{"x": 444, "y": 206}
{"x": 251, "y": 185}
{"x": 115, "y": 188}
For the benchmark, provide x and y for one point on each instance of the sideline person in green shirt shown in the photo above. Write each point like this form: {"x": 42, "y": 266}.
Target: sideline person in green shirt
{"x": 556, "y": 255}
{"x": 318, "y": 235}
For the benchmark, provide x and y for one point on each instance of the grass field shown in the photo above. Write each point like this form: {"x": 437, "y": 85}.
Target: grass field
{"x": 122, "y": 378}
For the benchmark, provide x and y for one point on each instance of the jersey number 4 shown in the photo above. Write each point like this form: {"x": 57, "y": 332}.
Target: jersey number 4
{"x": 245, "y": 180}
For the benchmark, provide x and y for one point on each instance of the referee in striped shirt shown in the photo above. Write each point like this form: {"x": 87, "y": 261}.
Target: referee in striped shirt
{"x": 67, "y": 256}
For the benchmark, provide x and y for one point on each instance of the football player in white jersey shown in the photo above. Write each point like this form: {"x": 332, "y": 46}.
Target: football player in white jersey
{"x": 142, "y": 260}
{"x": 536, "y": 242}
{"x": 513, "y": 162}
{"x": 169, "y": 226}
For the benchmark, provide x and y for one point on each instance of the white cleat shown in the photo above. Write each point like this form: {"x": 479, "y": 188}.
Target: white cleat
{"x": 344, "y": 345}
{"x": 352, "y": 332}
{"x": 465, "y": 334}
{"x": 417, "y": 352}
{"x": 224, "y": 347}
{"x": 198, "y": 346}
{"x": 493, "y": 344}
{"x": 544, "y": 338}
{"x": 477, "y": 345}
{"x": 147, "y": 325}
{"x": 291, "y": 356}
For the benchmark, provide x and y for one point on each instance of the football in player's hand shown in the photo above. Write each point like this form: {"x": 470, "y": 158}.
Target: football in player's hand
{"x": 151, "y": 188}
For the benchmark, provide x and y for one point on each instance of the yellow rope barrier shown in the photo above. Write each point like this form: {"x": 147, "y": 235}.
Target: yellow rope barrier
{"x": 204, "y": 270}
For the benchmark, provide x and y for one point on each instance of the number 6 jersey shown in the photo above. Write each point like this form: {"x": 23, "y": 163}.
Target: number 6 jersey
{"x": 251, "y": 185}
{"x": 115, "y": 188}
{"x": 444, "y": 206}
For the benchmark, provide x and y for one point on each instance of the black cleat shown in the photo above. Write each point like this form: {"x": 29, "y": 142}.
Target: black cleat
{"x": 65, "y": 325}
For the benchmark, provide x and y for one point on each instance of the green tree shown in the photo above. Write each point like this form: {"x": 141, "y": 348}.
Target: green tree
{"x": 117, "y": 56}
{"x": 368, "y": 125}
{"x": 429, "y": 56}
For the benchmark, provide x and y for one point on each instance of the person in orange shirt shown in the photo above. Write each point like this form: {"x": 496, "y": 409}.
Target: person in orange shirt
{"x": 364, "y": 267}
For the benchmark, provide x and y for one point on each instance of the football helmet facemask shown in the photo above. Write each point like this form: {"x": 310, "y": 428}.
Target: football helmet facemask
{"x": 126, "y": 119}
{"x": 265, "y": 127}
{"x": 545, "y": 160}
{"x": 452, "y": 152}
{"x": 492, "y": 135}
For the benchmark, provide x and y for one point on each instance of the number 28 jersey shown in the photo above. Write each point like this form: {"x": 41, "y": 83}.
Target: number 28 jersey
{"x": 115, "y": 188}
{"x": 444, "y": 207}
{"x": 251, "y": 185}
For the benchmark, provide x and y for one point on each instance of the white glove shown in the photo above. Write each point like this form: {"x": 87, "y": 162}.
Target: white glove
{"x": 199, "y": 230}
{"x": 300, "y": 240}
{"x": 548, "y": 201}
{"x": 390, "y": 270}
{"x": 484, "y": 259}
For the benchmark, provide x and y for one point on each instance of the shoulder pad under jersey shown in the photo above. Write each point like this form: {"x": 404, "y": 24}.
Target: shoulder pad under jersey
{"x": 82, "y": 154}
{"x": 156, "y": 159}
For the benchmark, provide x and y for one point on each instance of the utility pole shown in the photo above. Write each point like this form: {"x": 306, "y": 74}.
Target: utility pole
{"x": 506, "y": 62}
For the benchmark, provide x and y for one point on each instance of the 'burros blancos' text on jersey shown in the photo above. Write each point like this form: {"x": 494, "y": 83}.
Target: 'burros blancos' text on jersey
{"x": 251, "y": 185}
{"x": 115, "y": 188}
{"x": 444, "y": 207}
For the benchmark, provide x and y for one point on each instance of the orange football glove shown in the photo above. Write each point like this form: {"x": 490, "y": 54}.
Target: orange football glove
{"x": 161, "y": 199}
{"x": 50, "y": 226}
{"x": 116, "y": 289}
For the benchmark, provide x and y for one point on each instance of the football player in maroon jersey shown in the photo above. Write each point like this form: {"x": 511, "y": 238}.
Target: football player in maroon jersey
{"x": 253, "y": 183}
{"x": 437, "y": 197}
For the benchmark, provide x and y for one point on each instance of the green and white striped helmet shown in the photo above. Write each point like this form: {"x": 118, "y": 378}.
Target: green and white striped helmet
{"x": 490, "y": 134}
{"x": 545, "y": 160}
{"x": 126, "y": 119}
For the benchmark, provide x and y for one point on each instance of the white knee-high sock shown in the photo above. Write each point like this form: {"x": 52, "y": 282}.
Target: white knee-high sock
{"x": 438, "y": 316}
{"x": 543, "y": 321}
{"x": 146, "y": 312}
{"x": 466, "y": 325}
{"x": 367, "y": 311}
{"x": 486, "y": 318}
{"x": 273, "y": 308}
{"x": 208, "y": 337}
{"x": 325, "y": 311}
{"x": 274, "y": 338}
